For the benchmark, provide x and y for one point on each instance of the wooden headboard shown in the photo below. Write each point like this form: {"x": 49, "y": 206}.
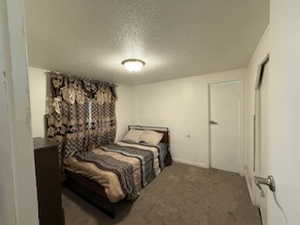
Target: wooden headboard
{"x": 164, "y": 130}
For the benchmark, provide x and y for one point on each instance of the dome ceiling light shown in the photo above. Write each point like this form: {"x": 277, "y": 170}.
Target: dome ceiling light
{"x": 133, "y": 65}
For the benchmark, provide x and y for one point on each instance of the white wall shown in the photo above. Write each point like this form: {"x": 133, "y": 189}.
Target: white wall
{"x": 262, "y": 50}
{"x": 38, "y": 84}
{"x": 37, "y": 88}
{"x": 18, "y": 196}
{"x": 182, "y": 105}
{"x": 124, "y": 109}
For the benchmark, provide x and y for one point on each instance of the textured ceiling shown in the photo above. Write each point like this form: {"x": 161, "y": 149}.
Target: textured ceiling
{"x": 176, "y": 38}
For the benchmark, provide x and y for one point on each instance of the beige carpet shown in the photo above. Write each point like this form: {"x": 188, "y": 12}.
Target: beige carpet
{"x": 181, "y": 195}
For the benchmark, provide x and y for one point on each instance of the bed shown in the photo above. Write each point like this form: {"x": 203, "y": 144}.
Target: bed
{"x": 117, "y": 172}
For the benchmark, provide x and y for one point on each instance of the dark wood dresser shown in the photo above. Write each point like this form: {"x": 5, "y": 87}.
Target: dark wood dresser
{"x": 48, "y": 182}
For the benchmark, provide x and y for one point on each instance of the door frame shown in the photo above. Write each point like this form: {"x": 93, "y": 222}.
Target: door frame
{"x": 241, "y": 148}
{"x": 256, "y": 164}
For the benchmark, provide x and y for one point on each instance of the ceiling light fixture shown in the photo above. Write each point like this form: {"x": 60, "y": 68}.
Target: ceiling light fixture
{"x": 133, "y": 65}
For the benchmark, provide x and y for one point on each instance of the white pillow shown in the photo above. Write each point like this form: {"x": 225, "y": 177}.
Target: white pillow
{"x": 133, "y": 136}
{"x": 151, "y": 137}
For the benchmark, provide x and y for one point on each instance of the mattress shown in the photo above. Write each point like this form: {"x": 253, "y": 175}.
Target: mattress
{"x": 122, "y": 169}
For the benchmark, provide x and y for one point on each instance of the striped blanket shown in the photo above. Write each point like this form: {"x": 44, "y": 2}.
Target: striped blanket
{"x": 121, "y": 168}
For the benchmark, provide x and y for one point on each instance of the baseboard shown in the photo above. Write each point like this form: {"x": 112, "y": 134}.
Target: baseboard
{"x": 192, "y": 163}
{"x": 248, "y": 178}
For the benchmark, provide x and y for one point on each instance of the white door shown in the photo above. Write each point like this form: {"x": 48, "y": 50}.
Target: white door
{"x": 281, "y": 130}
{"x": 284, "y": 126}
{"x": 271, "y": 161}
{"x": 225, "y": 126}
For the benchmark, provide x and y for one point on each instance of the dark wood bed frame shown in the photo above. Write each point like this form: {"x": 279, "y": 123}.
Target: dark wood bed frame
{"x": 93, "y": 192}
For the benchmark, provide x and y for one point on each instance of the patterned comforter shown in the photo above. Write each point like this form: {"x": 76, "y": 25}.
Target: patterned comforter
{"x": 121, "y": 168}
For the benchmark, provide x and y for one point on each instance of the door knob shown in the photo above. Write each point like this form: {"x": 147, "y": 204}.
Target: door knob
{"x": 213, "y": 122}
{"x": 269, "y": 181}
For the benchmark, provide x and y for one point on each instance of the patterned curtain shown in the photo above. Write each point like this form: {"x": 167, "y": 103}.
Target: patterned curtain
{"x": 81, "y": 113}
{"x": 102, "y": 128}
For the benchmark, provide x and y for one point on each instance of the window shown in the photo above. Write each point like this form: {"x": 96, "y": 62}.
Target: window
{"x": 90, "y": 114}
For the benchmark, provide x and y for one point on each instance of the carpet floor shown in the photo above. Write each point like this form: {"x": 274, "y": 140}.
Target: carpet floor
{"x": 181, "y": 195}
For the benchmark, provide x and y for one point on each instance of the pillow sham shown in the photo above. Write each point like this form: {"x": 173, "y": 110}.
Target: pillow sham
{"x": 151, "y": 137}
{"x": 133, "y": 136}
